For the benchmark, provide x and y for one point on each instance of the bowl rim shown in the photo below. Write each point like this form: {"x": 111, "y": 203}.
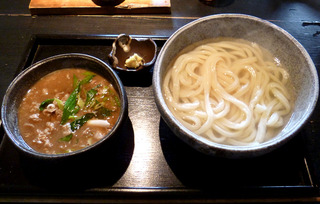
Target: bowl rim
{"x": 122, "y": 95}
{"x": 213, "y": 148}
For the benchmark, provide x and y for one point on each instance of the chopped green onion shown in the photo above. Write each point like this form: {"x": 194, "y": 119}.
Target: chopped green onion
{"x": 73, "y": 117}
{"x": 105, "y": 98}
{"x": 66, "y": 138}
{"x": 75, "y": 81}
{"x": 117, "y": 101}
{"x": 70, "y": 104}
{"x": 75, "y": 110}
{"x": 80, "y": 102}
{"x": 45, "y": 103}
{"x": 103, "y": 112}
{"x": 88, "y": 78}
{"x": 75, "y": 125}
{"x": 59, "y": 103}
{"x": 98, "y": 105}
{"x": 90, "y": 97}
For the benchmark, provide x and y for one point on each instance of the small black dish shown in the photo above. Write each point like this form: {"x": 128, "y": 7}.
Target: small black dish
{"x": 22, "y": 83}
{"x": 107, "y": 2}
{"x": 126, "y": 46}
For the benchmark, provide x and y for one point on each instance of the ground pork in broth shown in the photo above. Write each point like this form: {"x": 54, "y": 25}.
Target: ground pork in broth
{"x": 93, "y": 109}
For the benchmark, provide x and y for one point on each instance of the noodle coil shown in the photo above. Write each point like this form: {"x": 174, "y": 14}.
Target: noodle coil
{"x": 229, "y": 91}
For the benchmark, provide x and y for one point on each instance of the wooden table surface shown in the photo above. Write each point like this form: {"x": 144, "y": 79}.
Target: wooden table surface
{"x": 148, "y": 177}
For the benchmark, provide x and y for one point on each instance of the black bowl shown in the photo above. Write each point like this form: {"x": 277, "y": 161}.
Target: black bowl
{"x": 107, "y": 2}
{"x": 23, "y": 82}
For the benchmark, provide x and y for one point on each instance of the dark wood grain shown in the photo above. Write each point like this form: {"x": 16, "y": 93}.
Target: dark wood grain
{"x": 89, "y": 7}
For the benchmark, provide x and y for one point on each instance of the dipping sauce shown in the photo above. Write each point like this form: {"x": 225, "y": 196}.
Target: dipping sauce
{"x": 68, "y": 110}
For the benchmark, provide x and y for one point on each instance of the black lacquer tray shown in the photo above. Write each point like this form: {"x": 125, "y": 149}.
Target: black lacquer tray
{"x": 147, "y": 161}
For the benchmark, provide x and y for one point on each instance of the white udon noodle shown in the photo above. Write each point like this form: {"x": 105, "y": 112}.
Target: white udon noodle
{"x": 231, "y": 92}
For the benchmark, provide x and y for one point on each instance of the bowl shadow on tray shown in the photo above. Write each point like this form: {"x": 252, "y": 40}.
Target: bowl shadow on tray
{"x": 194, "y": 169}
{"x": 142, "y": 78}
{"x": 100, "y": 168}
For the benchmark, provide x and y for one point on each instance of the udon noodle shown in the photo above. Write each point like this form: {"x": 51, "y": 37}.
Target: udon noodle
{"x": 229, "y": 91}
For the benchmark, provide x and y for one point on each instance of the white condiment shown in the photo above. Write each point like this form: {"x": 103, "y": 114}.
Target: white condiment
{"x": 134, "y": 61}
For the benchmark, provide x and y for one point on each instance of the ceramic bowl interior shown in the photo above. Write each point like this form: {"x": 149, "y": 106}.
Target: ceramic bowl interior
{"x": 279, "y": 42}
{"x": 23, "y": 82}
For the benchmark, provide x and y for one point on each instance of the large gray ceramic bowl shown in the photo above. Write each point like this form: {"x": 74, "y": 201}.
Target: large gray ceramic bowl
{"x": 281, "y": 44}
{"x": 23, "y": 82}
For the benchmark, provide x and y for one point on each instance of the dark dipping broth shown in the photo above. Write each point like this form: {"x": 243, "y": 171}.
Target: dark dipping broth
{"x": 68, "y": 110}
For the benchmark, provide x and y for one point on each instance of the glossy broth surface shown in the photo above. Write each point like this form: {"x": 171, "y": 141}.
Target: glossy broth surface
{"x": 96, "y": 110}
